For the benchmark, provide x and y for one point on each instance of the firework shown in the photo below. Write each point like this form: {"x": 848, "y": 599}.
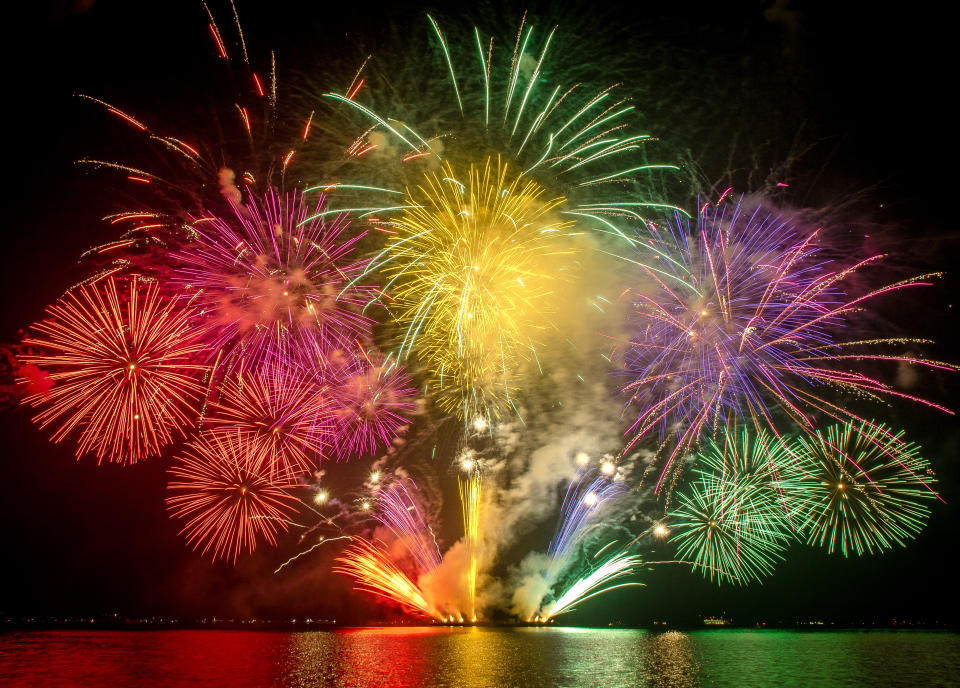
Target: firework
{"x": 271, "y": 280}
{"x": 763, "y": 464}
{"x": 226, "y": 489}
{"x": 121, "y": 360}
{"x": 588, "y": 493}
{"x": 252, "y": 141}
{"x": 474, "y": 267}
{"x": 470, "y": 502}
{"x": 480, "y": 216}
{"x": 373, "y": 399}
{"x": 398, "y": 510}
{"x": 730, "y": 530}
{"x": 282, "y": 407}
{"x": 743, "y": 320}
{"x": 867, "y": 489}
{"x": 596, "y": 582}
{"x": 370, "y": 566}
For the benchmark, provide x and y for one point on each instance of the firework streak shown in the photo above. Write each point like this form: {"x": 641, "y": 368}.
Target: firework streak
{"x": 470, "y": 502}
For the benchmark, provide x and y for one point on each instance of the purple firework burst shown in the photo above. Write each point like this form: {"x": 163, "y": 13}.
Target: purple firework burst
{"x": 742, "y": 319}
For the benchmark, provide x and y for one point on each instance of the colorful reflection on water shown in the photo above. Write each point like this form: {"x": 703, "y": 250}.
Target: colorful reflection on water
{"x": 478, "y": 658}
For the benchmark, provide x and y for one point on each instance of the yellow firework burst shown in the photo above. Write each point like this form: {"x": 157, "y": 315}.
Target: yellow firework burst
{"x": 474, "y": 268}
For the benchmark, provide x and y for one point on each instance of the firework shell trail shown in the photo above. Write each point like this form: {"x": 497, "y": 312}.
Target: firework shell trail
{"x": 471, "y": 496}
{"x": 122, "y": 360}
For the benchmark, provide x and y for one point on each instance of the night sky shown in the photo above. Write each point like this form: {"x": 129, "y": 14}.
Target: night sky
{"x": 866, "y": 90}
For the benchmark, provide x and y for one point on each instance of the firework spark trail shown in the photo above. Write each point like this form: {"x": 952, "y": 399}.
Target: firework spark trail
{"x": 740, "y": 321}
{"x": 865, "y": 490}
{"x": 121, "y": 359}
{"x": 398, "y": 510}
{"x": 598, "y": 581}
{"x": 373, "y": 571}
{"x": 470, "y": 502}
{"x": 226, "y": 490}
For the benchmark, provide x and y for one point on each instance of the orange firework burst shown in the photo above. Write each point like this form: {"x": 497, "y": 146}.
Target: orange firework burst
{"x": 226, "y": 490}
{"x": 120, "y": 358}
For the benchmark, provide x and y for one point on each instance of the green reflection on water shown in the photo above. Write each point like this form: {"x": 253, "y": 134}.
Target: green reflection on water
{"x": 482, "y": 657}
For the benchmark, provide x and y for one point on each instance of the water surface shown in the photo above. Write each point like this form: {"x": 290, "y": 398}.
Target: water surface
{"x": 479, "y": 658}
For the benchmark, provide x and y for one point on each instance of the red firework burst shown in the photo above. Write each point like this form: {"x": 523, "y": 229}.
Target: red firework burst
{"x": 283, "y": 408}
{"x": 226, "y": 490}
{"x": 121, "y": 360}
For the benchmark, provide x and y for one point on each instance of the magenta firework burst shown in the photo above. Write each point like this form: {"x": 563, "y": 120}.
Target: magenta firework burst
{"x": 374, "y": 398}
{"x": 742, "y": 318}
{"x": 276, "y": 276}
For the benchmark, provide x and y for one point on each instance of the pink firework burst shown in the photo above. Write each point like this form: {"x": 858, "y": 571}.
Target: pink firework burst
{"x": 275, "y": 276}
{"x": 225, "y": 488}
{"x": 375, "y": 400}
{"x": 740, "y": 317}
{"x": 121, "y": 359}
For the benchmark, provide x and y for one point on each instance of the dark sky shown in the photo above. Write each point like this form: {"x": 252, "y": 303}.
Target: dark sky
{"x": 871, "y": 88}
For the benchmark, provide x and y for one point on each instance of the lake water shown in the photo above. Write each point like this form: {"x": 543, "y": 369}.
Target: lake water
{"x": 479, "y": 658}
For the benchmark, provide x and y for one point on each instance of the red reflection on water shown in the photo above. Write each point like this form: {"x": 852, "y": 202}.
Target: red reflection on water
{"x": 393, "y": 657}
{"x": 141, "y": 658}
